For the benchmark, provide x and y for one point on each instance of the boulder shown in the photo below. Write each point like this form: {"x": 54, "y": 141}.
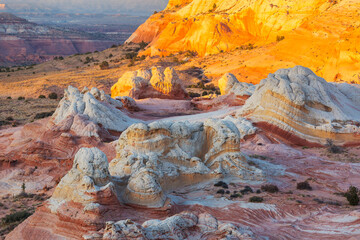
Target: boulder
{"x": 229, "y": 84}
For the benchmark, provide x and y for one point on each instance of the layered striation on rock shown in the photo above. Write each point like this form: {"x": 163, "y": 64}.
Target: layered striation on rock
{"x": 296, "y": 103}
{"x": 154, "y": 83}
{"x": 325, "y": 30}
{"x": 151, "y": 156}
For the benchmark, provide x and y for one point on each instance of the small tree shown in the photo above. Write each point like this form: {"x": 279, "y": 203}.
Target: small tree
{"x": 352, "y": 196}
{"x": 23, "y": 187}
{"x": 53, "y": 96}
{"x": 104, "y": 65}
{"x": 143, "y": 45}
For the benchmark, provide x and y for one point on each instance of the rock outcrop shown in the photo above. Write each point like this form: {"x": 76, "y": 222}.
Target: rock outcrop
{"x": 185, "y": 225}
{"x": 325, "y": 30}
{"x": 95, "y": 107}
{"x": 296, "y": 102}
{"x": 229, "y": 84}
{"x": 151, "y": 156}
{"x": 88, "y": 182}
{"x": 154, "y": 83}
{"x": 82, "y": 119}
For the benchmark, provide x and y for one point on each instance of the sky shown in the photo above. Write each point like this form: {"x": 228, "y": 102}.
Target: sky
{"x": 146, "y": 7}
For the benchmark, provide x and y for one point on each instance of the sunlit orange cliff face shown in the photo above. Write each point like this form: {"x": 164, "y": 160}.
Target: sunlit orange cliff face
{"x": 323, "y": 35}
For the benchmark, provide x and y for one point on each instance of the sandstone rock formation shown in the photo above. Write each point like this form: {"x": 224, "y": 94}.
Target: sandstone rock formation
{"x": 94, "y": 106}
{"x": 185, "y": 225}
{"x": 88, "y": 182}
{"x": 229, "y": 84}
{"x": 154, "y": 83}
{"x": 325, "y": 30}
{"x": 296, "y": 102}
{"x": 181, "y": 152}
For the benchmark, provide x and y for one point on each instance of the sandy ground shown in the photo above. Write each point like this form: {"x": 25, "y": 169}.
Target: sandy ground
{"x": 14, "y": 112}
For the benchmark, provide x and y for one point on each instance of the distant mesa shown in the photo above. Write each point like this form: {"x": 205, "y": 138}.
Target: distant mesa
{"x": 153, "y": 83}
{"x": 297, "y": 104}
{"x": 24, "y": 42}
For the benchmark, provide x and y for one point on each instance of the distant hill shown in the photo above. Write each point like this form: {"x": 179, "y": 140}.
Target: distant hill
{"x": 24, "y": 42}
{"x": 320, "y": 34}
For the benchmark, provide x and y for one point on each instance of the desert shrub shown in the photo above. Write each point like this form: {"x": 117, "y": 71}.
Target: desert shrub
{"x": 143, "y": 45}
{"x": 352, "y": 196}
{"x": 43, "y": 115}
{"x": 250, "y": 46}
{"x": 256, "y": 199}
{"x": 9, "y": 98}
{"x": 110, "y": 55}
{"x": 236, "y": 195}
{"x": 246, "y": 190}
{"x": 221, "y": 184}
{"x": 15, "y": 217}
{"x": 155, "y": 12}
{"x": 194, "y": 95}
{"x": 104, "y": 65}
{"x": 131, "y": 55}
{"x": 270, "y": 188}
{"x": 205, "y": 93}
{"x": 332, "y": 148}
{"x": 21, "y": 98}
{"x": 9, "y": 119}
{"x": 53, "y": 96}
{"x": 303, "y": 186}
{"x": 221, "y": 191}
{"x": 132, "y": 63}
{"x": 114, "y": 46}
{"x": 42, "y": 96}
{"x": 280, "y": 38}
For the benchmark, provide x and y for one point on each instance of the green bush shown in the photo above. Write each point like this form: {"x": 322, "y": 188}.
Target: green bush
{"x": 256, "y": 199}
{"x": 15, "y": 217}
{"x": 270, "y": 188}
{"x": 9, "y": 97}
{"x": 143, "y": 45}
{"x": 304, "y": 186}
{"x": 205, "y": 93}
{"x": 42, "y": 96}
{"x": 131, "y": 55}
{"x": 104, "y": 65}
{"x": 279, "y": 38}
{"x": 352, "y": 196}
{"x": 194, "y": 95}
{"x": 332, "y": 148}
{"x": 43, "y": 115}
{"x": 53, "y": 96}
{"x": 21, "y": 98}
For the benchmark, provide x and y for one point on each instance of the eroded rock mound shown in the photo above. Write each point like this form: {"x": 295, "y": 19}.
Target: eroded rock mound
{"x": 161, "y": 152}
{"x": 154, "y": 83}
{"x": 298, "y": 104}
{"x": 94, "y": 107}
{"x": 185, "y": 225}
{"x": 88, "y": 182}
{"x": 229, "y": 84}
